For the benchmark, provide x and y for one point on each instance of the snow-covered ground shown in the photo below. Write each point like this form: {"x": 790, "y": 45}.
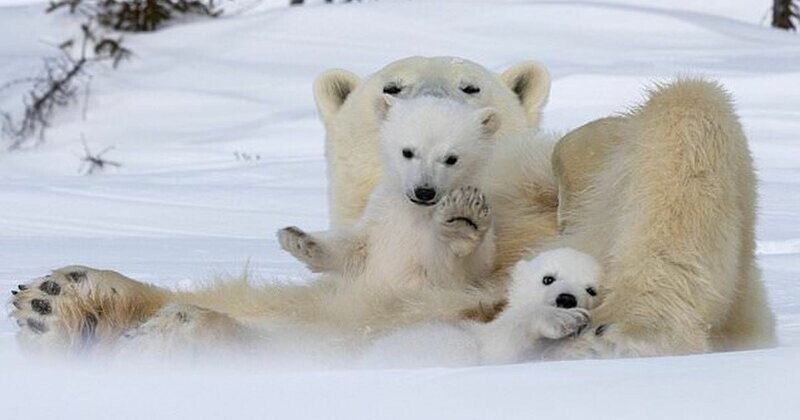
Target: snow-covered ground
{"x": 183, "y": 208}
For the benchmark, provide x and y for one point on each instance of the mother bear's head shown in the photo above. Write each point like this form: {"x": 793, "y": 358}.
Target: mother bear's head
{"x": 346, "y": 105}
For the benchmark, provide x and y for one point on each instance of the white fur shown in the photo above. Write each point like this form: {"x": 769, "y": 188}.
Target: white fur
{"x": 346, "y": 105}
{"x": 398, "y": 243}
{"x": 531, "y": 321}
{"x": 663, "y": 196}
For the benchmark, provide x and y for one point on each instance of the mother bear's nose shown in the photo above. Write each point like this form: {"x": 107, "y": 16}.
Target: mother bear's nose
{"x": 566, "y": 301}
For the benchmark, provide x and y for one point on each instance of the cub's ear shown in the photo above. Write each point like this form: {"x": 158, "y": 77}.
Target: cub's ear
{"x": 489, "y": 120}
{"x": 331, "y": 89}
{"x": 530, "y": 81}
{"x": 383, "y": 104}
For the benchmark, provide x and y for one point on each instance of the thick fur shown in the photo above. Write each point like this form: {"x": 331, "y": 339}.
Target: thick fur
{"x": 667, "y": 206}
{"x": 548, "y": 300}
{"x": 405, "y": 240}
{"x": 665, "y": 197}
{"x": 525, "y": 209}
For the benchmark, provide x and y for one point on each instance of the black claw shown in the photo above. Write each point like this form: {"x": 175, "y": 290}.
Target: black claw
{"x": 14, "y": 292}
{"x": 22, "y": 287}
{"x": 601, "y": 330}
{"x": 36, "y": 326}
{"x": 50, "y": 287}
{"x": 41, "y": 306}
{"x": 465, "y": 220}
{"x": 76, "y": 276}
{"x": 183, "y": 317}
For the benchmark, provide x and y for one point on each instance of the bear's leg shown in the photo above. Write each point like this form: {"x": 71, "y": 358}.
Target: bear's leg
{"x": 463, "y": 217}
{"x": 182, "y": 330}
{"x": 670, "y": 212}
{"x": 78, "y": 308}
{"x": 304, "y": 247}
{"x": 337, "y": 250}
{"x": 577, "y": 158}
{"x": 750, "y": 323}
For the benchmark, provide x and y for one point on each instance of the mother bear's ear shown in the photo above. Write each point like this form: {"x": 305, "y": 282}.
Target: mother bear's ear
{"x": 530, "y": 81}
{"x": 331, "y": 89}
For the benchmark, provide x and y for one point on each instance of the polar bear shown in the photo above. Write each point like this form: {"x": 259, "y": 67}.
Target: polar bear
{"x": 425, "y": 223}
{"x": 524, "y": 211}
{"x": 549, "y": 299}
{"x": 662, "y": 196}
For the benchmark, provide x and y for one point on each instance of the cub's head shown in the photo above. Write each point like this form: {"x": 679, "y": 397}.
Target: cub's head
{"x": 563, "y": 277}
{"x": 432, "y": 145}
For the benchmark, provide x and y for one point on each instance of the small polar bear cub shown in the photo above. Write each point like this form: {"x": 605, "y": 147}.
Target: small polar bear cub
{"x": 549, "y": 298}
{"x": 425, "y": 224}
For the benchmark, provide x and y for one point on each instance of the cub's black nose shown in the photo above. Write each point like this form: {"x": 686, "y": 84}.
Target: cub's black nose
{"x": 424, "y": 194}
{"x": 566, "y": 301}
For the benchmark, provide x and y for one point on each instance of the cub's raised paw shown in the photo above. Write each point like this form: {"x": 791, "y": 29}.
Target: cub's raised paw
{"x": 557, "y": 323}
{"x": 66, "y": 310}
{"x": 464, "y": 217}
{"x": 302, "y": 246}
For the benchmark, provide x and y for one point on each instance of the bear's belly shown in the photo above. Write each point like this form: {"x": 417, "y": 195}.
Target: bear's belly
{"x": 398, "y": 256}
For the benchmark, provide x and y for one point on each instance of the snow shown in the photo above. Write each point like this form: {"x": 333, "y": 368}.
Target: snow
{"x": 183, "y": 208}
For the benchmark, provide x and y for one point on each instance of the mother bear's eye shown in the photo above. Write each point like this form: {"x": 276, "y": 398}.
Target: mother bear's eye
{"x": 470, "y": 89}
{"x": 548, "y": 280}
{"x": 591, "y": 291}
{"x": 392, "y": 89}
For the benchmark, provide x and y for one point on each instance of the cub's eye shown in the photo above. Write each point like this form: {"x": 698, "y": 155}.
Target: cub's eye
{"x": 392, "y": 89}
{"x": 451, "y": 160}
{"x": 548, "y": 280}
{"x": 408, "y": 153}
{"x": 591, "y": 291}
{"x": 470, "y": 89}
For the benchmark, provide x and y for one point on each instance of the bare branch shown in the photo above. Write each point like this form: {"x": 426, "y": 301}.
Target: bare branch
{"x": 95, "y": 162}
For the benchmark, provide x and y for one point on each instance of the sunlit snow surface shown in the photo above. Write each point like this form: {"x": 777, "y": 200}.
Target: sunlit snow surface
{"x": 183, "y": 208}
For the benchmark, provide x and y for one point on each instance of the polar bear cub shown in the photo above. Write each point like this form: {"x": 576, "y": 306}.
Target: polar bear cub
{"x": 426, "y": 223}
{"x": 548, "y": 300}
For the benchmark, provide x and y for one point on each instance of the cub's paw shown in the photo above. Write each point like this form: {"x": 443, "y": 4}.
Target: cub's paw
{"x": 464, "y": 217}
{"x": 611, "y": 341}
{"x": 557, "y": 323}
{"x": 51, "y": 311}
{"x": 302, "y": 246}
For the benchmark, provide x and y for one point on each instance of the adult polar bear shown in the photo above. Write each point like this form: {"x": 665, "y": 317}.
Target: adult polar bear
{"x": 663, "y": 197}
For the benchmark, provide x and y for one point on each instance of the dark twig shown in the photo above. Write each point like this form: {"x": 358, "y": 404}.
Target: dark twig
{"x": 95, "y": 162}
{"x": 62, "y": 78}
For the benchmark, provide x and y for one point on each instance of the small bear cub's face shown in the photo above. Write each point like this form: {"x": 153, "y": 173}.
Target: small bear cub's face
{"x": 563, "y": 277}
{"x": 431, "y": 146}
